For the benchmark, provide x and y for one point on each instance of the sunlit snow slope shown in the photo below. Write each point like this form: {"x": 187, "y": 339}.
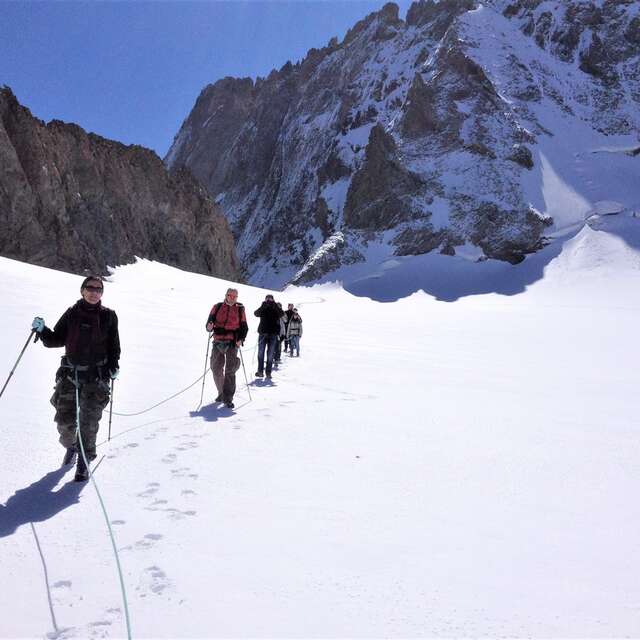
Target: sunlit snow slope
{"x": 425, "y": 468}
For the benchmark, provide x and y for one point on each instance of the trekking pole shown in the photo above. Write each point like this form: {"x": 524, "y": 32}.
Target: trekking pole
{"x": 113, "y": 382}
{"x": 204, "y": 375}
{"x": 245, "y": 376}
{"x": 26, "y": 344}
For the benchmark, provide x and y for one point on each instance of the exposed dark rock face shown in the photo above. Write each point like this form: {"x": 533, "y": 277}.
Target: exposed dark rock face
{"x": 438, "y": 17}
{"x": 75, "y": 201}
{"x": 380, "y": 192}
{"x": 424, "y": 134}
{"x": 522, "y": 156}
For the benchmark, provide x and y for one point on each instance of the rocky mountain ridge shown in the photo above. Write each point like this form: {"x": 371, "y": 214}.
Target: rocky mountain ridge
{"x": 475, "y": 129}
{"x": 78, "y": 202}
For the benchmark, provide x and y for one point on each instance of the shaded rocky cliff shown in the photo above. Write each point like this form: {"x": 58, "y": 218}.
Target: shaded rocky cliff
{"x": 75, "y": 201}
{"x": 473, "y": 129}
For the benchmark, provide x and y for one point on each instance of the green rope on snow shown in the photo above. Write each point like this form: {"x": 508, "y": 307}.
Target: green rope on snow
{"x": 104, "y": 510}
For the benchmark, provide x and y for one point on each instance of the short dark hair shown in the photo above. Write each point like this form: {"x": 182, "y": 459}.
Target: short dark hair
{"x": 88, "y": 279}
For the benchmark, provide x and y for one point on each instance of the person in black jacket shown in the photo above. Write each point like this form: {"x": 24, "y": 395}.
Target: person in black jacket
{"x": 268, "y": 331}
{"x": 89, "y": 333}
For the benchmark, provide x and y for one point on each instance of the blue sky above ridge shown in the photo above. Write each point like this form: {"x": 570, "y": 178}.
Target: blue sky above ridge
{"x": 131, "y": 71}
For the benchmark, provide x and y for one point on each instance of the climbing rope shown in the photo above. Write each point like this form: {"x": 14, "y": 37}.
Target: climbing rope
{"x": 175, "y": 395}
{"x": 104, "y": 510}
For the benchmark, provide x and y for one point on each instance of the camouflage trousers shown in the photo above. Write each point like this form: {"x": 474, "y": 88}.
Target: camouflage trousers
{"x": 224, "y": 364}
{"x": 94, "y": 397}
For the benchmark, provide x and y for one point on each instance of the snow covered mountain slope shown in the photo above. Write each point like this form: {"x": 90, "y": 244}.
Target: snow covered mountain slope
{"x": 470, "y": 129}
{"x": 424, "y": 469}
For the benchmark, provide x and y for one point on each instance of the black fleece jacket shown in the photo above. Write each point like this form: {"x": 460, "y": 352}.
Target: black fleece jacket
{"x": 89, "y": 334}
{"x": 269, "y": 314}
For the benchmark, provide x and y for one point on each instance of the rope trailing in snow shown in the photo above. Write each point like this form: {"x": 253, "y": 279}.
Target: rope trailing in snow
{"x": 252, "y": 348}
{"x": 175, "y": 395}
{"x": 104, "y": 510}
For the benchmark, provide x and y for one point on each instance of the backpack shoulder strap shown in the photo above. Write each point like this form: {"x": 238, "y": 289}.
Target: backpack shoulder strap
{"x": 216, "y": 308}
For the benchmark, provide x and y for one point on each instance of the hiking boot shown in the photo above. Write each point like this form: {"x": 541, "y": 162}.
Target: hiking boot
{"x": 219, "y": 398}
{"x": 81, "y": 476}
{"x": 259, "y": 374}
{"x": 229, "y": 404}
{"x": 69, "y": 456}
{"x": 268, "y": 376}
{"x": 82, "y": 473}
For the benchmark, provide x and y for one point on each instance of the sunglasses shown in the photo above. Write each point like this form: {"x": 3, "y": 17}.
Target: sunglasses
{"x": 94, "y": 289}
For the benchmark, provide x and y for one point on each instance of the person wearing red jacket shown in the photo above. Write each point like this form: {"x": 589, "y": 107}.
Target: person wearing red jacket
{"x": 228, "y": 322}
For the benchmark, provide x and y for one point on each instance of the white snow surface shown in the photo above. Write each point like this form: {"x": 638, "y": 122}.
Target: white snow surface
{"x": 424, "y": 469}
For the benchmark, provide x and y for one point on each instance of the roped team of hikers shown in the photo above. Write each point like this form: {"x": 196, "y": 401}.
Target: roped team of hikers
{"x": 228, "y": 322}
{"x": 89, "y": 333}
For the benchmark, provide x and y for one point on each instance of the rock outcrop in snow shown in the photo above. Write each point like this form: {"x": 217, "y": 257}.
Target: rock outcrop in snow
{"x": 75, "y": 201}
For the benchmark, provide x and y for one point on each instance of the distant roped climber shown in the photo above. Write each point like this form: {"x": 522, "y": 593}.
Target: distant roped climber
{"x": 228, "y": 322}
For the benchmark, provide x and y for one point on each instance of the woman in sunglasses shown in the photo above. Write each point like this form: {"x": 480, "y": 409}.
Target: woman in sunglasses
{"x": 89, "y": 333}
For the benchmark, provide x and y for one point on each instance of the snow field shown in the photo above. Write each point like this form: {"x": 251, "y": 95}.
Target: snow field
{"x": 423, "y": 469}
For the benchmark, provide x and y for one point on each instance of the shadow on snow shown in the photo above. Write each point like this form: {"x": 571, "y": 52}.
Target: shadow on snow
{"x": 211, "y": 412}
{"x": 38, "y": 502}
{"x": 448, "y": 278}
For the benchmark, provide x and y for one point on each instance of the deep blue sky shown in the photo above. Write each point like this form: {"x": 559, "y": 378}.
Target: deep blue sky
{"x": 131, "y": 71}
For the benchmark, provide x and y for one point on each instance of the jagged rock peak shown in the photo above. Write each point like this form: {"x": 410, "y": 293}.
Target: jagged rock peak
{"x": 426, "y": 11}
{"x": 76, "y": 201}
{"x": 387, "y": 16}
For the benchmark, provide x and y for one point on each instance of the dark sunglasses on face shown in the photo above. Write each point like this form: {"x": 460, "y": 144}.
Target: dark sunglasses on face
{"x": 94, "y": 289}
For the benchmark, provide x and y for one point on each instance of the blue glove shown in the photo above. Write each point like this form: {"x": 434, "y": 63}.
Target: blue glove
{"x": 37, "y": 325}
{"x": 114, "y": 374}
